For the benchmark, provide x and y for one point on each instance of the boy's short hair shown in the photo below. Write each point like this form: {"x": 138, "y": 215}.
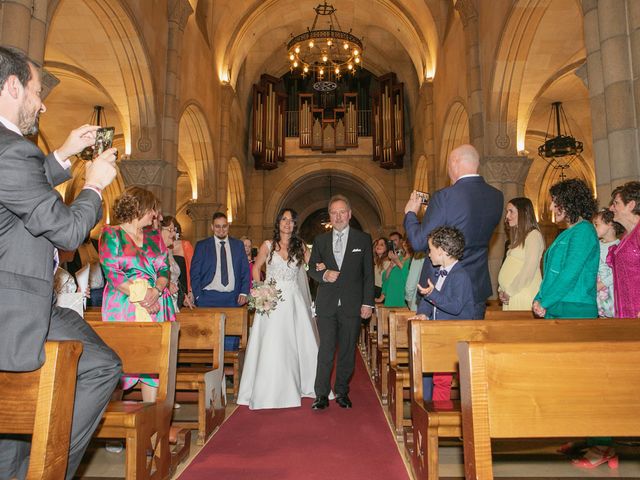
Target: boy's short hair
{"x": 450, "y": 239}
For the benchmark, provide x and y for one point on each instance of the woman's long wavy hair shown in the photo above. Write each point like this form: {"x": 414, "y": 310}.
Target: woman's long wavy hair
{"x": 295, "y": 251}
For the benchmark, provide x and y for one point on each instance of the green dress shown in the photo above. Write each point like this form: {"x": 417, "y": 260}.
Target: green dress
{"x": 393, "y": 285}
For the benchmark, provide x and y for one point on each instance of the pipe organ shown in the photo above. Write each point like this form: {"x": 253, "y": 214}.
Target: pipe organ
{"x": 328, "y": 130}
{"x": 268, "y": 133}
{"x": 388, "y": 123}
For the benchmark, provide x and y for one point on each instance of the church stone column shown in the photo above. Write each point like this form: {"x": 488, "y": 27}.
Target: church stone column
{"x": 178, "y": 12}
{"x": 469, "y": 18}
{"x": 226, "y": 100}
{"x": 612, "y": 40}
{"x": 201, "y": 214}
{"x": 15, "y": 23}
{"x": 508, "y": 174}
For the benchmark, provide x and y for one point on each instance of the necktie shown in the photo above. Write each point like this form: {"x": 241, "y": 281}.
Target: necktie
{"x": 224, "y": 269}
{"x": 337, "y": 248}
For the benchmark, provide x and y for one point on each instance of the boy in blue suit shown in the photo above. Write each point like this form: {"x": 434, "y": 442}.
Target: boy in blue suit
{"x": 448, "y": 295}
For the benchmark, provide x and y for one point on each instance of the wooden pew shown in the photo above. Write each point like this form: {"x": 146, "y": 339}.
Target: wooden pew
{"x": 382, "y": 346}
{"x": 143, "y": 347}
{"x": 236, "y": 324}
{"x": 41, "y": 403}
{"x": 433, "y": 349}
{"x": 202, "y": 330}
{"x": 399, "y": 378}
{"x": 372, "y": 342}
{"x": 537, "y": 390}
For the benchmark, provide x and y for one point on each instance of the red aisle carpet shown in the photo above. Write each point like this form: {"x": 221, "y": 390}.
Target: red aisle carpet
{"x": 299, "y": 443}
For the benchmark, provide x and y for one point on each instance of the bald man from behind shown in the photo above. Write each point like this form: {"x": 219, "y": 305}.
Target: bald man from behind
{"x": 469, "y": 204}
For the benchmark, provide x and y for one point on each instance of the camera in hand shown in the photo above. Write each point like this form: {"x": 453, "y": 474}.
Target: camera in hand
{"x": 423, "y": 196}
{"x": 104, "y": 141}
{"x": 390, "y": 246}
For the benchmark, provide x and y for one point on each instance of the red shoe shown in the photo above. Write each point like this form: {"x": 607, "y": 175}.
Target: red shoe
{"x": 596, "y": 456}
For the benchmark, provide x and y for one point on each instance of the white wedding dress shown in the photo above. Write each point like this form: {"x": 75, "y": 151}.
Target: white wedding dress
{"x": 280, "y": 363}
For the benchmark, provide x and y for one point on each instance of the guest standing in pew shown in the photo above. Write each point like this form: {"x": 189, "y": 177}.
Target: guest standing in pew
{"x": 609, "y": 232}
{"x": 183, "y": 253}
{"x": 380, "y": 263}
{"x": 280, "y": 364}
{"x": 177, "y": 266}
{"x": 135, "y": 262}
{"x": 448, "y": 294}
{"x": 342, "y": 264}
{"x": 394, "y": 278}
{"x": 568, "y": 288}
{"x": 625, "y": 257}
{"x": 220, "y": 269}
{"x": 469, "y": 204}
{"x": 519, "y": 278}
{"x": 34, "y": 223}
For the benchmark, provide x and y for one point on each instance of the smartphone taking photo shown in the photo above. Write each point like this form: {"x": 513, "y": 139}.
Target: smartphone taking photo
{"x": 104, "y": 140}
{"x": 423, "y": 196}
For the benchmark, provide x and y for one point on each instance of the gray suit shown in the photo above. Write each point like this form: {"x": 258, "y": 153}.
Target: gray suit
{"x": 34, "y": 220}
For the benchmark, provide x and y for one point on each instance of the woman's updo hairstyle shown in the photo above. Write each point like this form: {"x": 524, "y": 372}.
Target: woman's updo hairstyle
{"x": 133, "y": 204}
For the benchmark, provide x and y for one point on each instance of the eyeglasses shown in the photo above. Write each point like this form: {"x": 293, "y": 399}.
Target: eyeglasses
{"x": 169, "y": 229}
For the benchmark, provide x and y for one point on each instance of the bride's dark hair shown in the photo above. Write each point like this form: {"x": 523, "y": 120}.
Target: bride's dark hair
{"x": 296, "y": 245}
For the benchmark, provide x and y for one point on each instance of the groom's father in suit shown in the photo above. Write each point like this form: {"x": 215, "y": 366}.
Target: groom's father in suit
{"x": 471, "y": 205}
{"x": 34, "y": 222}
{"x": 220, "y": 269}
{"x": 342, "y": 264}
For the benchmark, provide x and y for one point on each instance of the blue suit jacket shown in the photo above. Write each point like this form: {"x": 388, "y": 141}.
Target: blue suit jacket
{"x": 205, "y": 261}
{"x": 475, "y": 208}
{"x": 455, "y": 300}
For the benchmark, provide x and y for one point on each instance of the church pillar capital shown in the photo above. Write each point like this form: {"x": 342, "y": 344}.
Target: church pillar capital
{"x": 201, "y": 214}
{"x": 179, "y": 12}
{"x": 49, "y": 82}
{"x": 144, "y": 173}
{"x": 501, "y": 170}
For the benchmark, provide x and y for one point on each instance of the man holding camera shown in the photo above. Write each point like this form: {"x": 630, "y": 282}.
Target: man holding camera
{"x": 34, "y": 223}
{"x": 469, "y": 204}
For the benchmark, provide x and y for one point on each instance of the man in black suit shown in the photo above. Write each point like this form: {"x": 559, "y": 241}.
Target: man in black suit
{"x": 342, "y": 264}
{"x": 34, "y": 221}
{"x": 469, "y": 204}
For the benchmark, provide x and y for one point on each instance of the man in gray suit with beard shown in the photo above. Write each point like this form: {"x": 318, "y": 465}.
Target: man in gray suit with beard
{"x": 342, "y": 263}
{"x": 34, "y": 222}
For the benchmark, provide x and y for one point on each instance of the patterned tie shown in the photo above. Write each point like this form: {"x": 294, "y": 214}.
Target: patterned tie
{"x": 224, "y": 269}
{"x": 337, "y": 249}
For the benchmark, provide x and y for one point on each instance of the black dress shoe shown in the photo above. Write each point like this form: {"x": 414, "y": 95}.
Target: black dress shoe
{"x": 343, "y": 401}
{"x": 320, "y": 403}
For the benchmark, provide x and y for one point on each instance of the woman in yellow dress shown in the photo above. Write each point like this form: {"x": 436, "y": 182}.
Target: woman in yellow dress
{"x": 519, "y": 278}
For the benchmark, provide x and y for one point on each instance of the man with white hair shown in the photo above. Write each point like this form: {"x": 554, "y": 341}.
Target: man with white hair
{"x": 469, "y": 204}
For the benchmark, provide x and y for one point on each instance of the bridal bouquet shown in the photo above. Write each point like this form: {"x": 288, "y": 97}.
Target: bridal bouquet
{"x": 264, "y": 296}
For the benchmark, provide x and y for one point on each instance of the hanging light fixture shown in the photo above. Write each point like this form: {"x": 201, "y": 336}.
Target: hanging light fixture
{"x": 560, "y": 148}
{"x": 98, "y": 117}
{"x": 325, "y": 52}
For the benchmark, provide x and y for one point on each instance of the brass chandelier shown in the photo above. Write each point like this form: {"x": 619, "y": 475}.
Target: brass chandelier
{"x": 560, "y": 148}
{"x": 326, "y": 53}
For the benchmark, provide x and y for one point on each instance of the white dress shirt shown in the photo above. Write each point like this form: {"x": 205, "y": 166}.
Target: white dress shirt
{"x": 216, "y": 283}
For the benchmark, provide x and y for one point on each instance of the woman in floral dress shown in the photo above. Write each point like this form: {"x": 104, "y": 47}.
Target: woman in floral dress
{"x": 136, "y": 267}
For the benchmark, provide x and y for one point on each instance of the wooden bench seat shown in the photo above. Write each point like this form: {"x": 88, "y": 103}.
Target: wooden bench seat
{"x": 143, "y": 347}
{"x": 382, "y": 347}
{"x": 41, "y": 403}
{"x": 545, "y": 390}
{"x": 202, "y": 330}
{"x": 433, "y": 349}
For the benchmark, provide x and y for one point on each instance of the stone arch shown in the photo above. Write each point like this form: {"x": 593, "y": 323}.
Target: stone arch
{"x": 122, "y": 50}
{"x": 236, "y": 210}
{"x": 370, "y": 189}
{"x": 455, "y": 132}
{"x": 196, "y": 153}
{"x": 513, "y": 49}
{"x": 421, "y": 178}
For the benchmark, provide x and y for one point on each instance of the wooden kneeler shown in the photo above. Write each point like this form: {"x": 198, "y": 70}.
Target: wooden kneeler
{"x": 41, "y": 403}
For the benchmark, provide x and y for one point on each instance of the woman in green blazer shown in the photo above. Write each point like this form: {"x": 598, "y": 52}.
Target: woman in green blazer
{"x": 568, "y": 288}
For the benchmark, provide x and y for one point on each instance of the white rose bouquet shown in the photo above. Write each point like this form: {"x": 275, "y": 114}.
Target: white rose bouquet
{"x": 264, "y": 296}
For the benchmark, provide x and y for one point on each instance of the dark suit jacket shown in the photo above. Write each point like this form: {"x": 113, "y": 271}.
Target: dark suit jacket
{"x": 204, "y": 263}
{"x": 474, "y": 207}
{"x": 354, "y": 286}
{"x": 455, "y": 300}
{"x": 33, "y": 220}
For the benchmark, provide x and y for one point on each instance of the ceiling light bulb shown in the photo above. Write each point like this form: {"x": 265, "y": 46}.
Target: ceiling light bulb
{"x": 295, "y": 64}
{"x": 337, "y": 70}
{"x": 329, "y": 42}
{"x": 350, "y": 67}
{"x": 297, "y": 50}
{"x": 321, "y": 71}
{"x": 356, "y": 53}
{"x": 292, "y": 56}
{"x": 357, "y": 60}
{"x": 305, "y": 69}
{"x": 325, "y": 58}
{"x": 311, "y": 44}
{"x": 345, "y": 46}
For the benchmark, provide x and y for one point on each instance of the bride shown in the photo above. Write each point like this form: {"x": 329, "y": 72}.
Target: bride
{"x": 280, "y": 363}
